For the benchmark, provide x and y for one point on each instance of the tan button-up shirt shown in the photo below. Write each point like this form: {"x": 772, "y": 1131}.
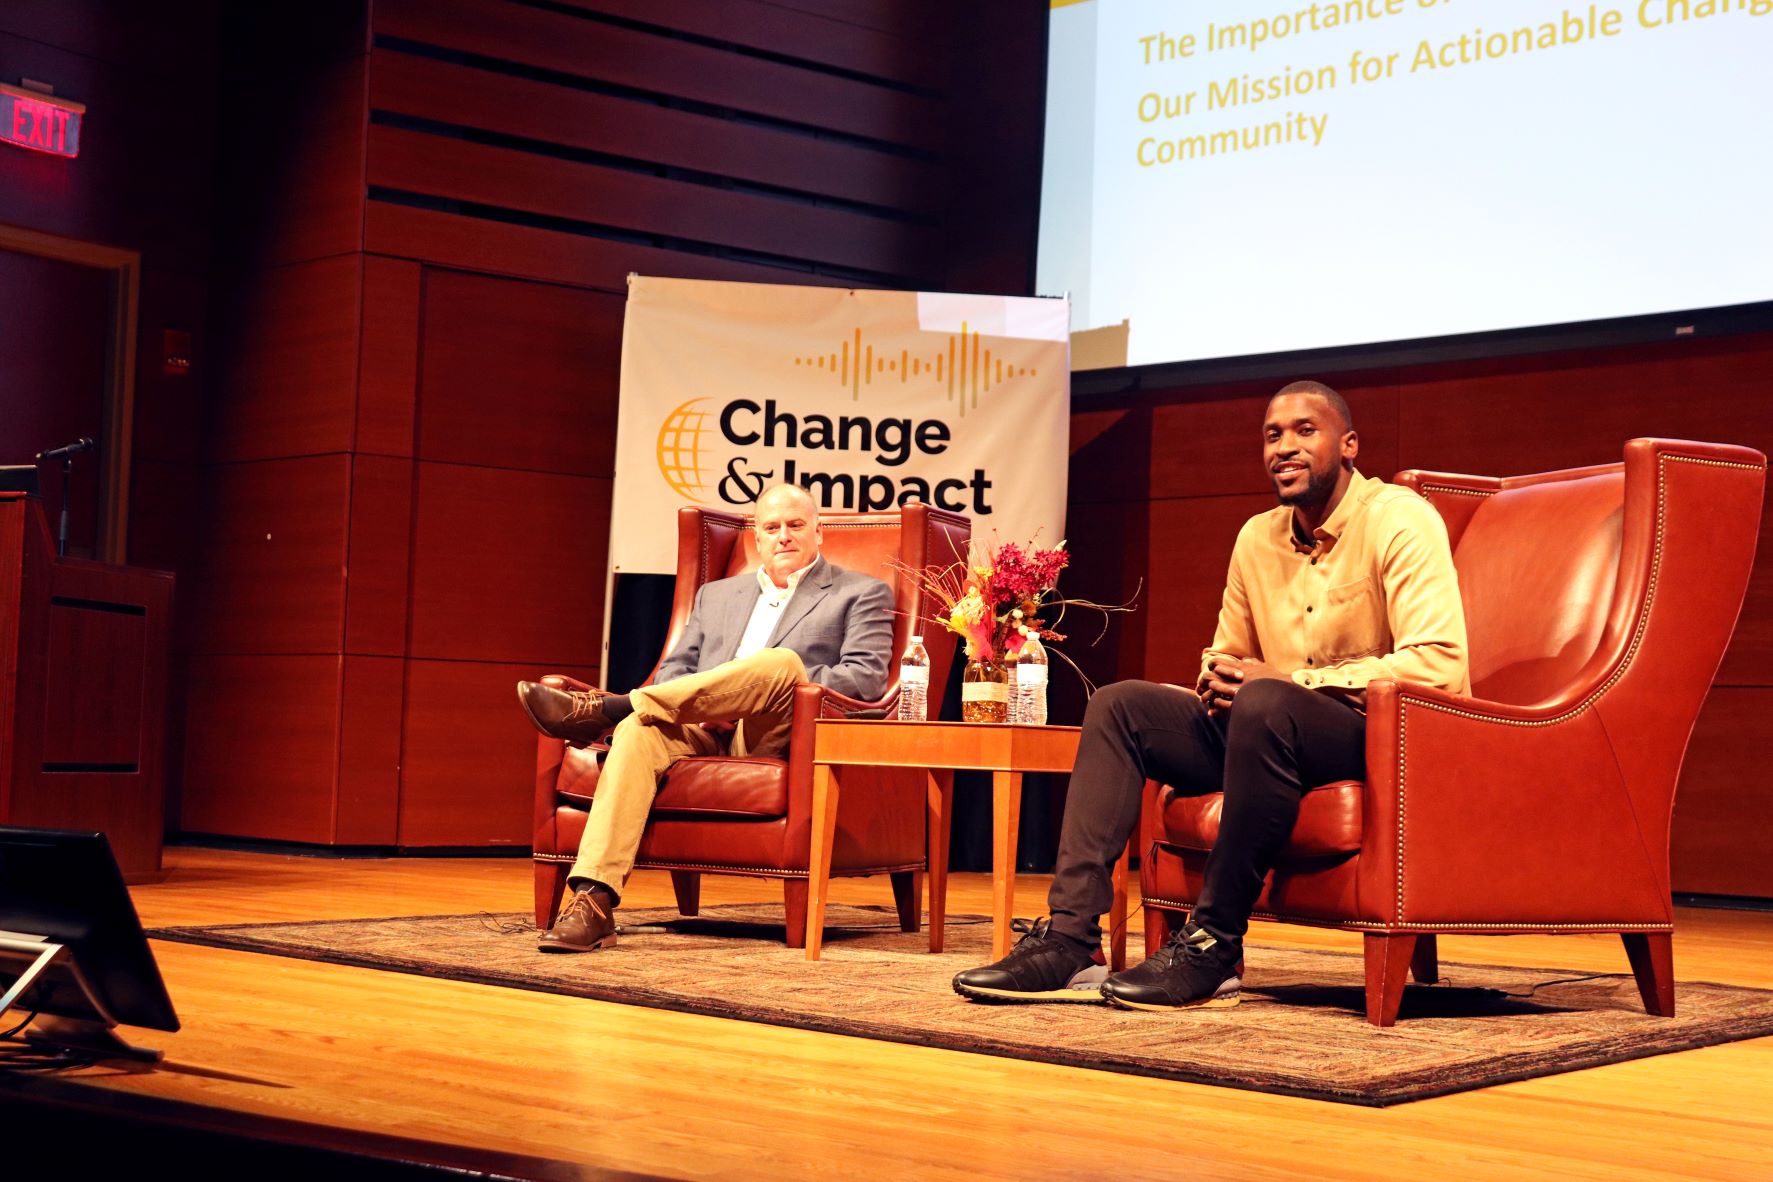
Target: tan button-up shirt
{"x": 1374, "y": 596}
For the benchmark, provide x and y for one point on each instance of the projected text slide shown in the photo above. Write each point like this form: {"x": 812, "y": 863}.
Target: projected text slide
{"x": 1231, "y": 178}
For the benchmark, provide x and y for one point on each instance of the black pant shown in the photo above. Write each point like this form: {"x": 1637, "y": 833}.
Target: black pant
{"x": 1277, "y": 741}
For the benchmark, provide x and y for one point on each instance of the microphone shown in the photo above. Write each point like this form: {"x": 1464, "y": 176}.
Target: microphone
{"x": 72, "y": 449}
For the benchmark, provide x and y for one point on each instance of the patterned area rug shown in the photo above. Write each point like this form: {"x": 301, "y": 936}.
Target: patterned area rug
{"x": 1300, "y": 1030}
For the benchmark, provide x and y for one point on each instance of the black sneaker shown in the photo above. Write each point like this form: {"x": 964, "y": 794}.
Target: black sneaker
{"x": 1192, "y": 970}
{"x": 1041, "y": 967}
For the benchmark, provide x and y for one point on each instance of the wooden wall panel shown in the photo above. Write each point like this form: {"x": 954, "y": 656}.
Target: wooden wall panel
{"x": 378, "y": 563}
{"x": 1723, "y": 811}
{"x": 509, "y": 179}
{"x": 469, "y": 753}
{"x": 1110, "y": 457}
{"x": 261, "y": 755}
{"x": 293, "y": 187}
{"x": 1749, "y": 659}
{"x": 273, "y": 575}
{"x": 642, "y": 130}
{"x": 1191, "y": 542}
{"x": 525, "y": 252}
{"x": 995, "y": 136}
{"x": 388, "y": 364}
{"x": 508, "y": 566}
{"x": 372, "y": 705}
{"x": 170, "y": 407}
{"x": 519, "y": 375}
{"x": 288, "y": 379}
{"x": 166, "y": 500}
{"x": 663, "y": 65}
{"x": 160, "y": 34}
{"x": 886, "y": 49}
{"x": 1567, "y": 411}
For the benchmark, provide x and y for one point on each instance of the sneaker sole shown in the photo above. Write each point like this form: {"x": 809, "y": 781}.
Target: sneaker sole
{"x": 1211, "y": 1003}
{"x": 1012, "y": 996}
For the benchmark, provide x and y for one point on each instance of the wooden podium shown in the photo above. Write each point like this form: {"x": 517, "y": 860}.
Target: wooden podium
{"x": 83, "y": 683}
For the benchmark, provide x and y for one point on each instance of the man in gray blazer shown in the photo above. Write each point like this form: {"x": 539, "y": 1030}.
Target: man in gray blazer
{"x": 728, "y": 684}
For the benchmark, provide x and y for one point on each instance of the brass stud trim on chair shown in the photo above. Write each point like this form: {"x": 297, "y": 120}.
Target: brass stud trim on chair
{"x": 1453, "y": 927}
{"x": 1625, "y": 662}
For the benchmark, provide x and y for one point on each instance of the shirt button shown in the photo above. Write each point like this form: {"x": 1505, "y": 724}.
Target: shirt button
{"x": 1308, "y": 661}
{"x": 1308, "y": 607}
{"x": 1314, "y": 562}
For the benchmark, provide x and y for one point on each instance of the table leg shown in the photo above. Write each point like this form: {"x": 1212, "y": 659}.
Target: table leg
{"x": 940, "y": 809}
{"x": 1006, "y": 810}
{"x": 825, "y": 795}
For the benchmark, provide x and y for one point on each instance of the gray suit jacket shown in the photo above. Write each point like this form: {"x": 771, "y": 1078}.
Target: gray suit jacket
{"x": 839, "y": 622}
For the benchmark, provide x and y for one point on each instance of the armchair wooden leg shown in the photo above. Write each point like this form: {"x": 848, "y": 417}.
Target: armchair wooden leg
{"x": 1117, "y": 913}
{"x": 908, "y": 897}
{"x": 1425, "y": 963}
{"x": 1388, "y": 963}
{"x": 687, "y": 886}
{"x": 794, "y": 897}
{"x": 550, "y": 885}
{"x": 1652, "y": 963}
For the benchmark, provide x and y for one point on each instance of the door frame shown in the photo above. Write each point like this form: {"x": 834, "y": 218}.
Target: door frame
{"x": 125, "y": 272}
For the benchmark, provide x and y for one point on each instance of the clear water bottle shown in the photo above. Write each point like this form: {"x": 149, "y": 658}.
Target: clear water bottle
{"x": 914, "y": 681}
{"x": 1028, "y": 697}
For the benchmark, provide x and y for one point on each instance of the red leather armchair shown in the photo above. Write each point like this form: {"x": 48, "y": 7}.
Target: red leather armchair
{"x": 1598, "y": 602}
{"x": 752, "y": 816}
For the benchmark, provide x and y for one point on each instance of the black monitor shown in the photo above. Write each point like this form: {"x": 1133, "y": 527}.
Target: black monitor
{"x": 20, "y": 478}
{"x": 71, "y": 948}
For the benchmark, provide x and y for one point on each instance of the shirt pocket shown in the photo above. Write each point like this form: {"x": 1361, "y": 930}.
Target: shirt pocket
{"x": 1354, "y": 624}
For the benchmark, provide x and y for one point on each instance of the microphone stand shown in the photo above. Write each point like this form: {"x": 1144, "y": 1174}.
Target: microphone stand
{"x": 61, "y": 539}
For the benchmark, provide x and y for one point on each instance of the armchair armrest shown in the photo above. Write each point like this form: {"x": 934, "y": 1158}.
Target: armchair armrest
{"x": 1483, "y": 813}
{"x": 812, "y": 701}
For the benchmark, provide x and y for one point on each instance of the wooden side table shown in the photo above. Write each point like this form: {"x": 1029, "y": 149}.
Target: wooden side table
{"x": 940, "y": 748}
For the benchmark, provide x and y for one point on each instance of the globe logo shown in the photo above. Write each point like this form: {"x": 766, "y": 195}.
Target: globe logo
{"x": 680, "y": 450}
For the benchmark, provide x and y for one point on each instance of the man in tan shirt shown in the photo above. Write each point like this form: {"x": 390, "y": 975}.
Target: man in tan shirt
{"x": 1348, "y": 581}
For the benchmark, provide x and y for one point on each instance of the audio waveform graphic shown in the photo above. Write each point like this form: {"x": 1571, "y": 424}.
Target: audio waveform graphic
{"x": 967, "y": 366}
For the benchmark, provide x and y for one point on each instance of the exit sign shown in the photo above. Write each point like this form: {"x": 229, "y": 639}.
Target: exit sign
{"x": 40, "y": 122}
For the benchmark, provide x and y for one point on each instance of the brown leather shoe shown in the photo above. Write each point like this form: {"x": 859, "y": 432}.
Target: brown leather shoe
{"x": 585, "y": 924}
{"x": 576, "y": 716}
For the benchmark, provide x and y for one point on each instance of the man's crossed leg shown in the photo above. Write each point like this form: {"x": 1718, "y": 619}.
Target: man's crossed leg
{"x": 658, "y": 726}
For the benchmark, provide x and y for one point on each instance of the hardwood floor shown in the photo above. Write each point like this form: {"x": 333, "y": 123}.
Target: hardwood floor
{"x": 619, "y": 1088}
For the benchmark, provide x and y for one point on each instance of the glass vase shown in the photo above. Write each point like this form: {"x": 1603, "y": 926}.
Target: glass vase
{"x": 985, "y": 692}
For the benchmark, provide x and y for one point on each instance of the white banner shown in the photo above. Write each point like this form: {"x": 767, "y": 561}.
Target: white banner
{"x": 868, "y": 399}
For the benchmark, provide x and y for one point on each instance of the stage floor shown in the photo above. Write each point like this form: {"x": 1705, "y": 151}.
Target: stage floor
{"x": 574, "y": 1088}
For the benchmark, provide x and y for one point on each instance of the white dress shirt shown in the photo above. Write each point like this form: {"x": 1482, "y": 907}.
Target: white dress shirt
{"x": 768, "y": 611}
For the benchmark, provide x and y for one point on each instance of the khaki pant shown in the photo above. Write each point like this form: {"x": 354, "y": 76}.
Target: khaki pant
{"x": 755, "y": 692}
